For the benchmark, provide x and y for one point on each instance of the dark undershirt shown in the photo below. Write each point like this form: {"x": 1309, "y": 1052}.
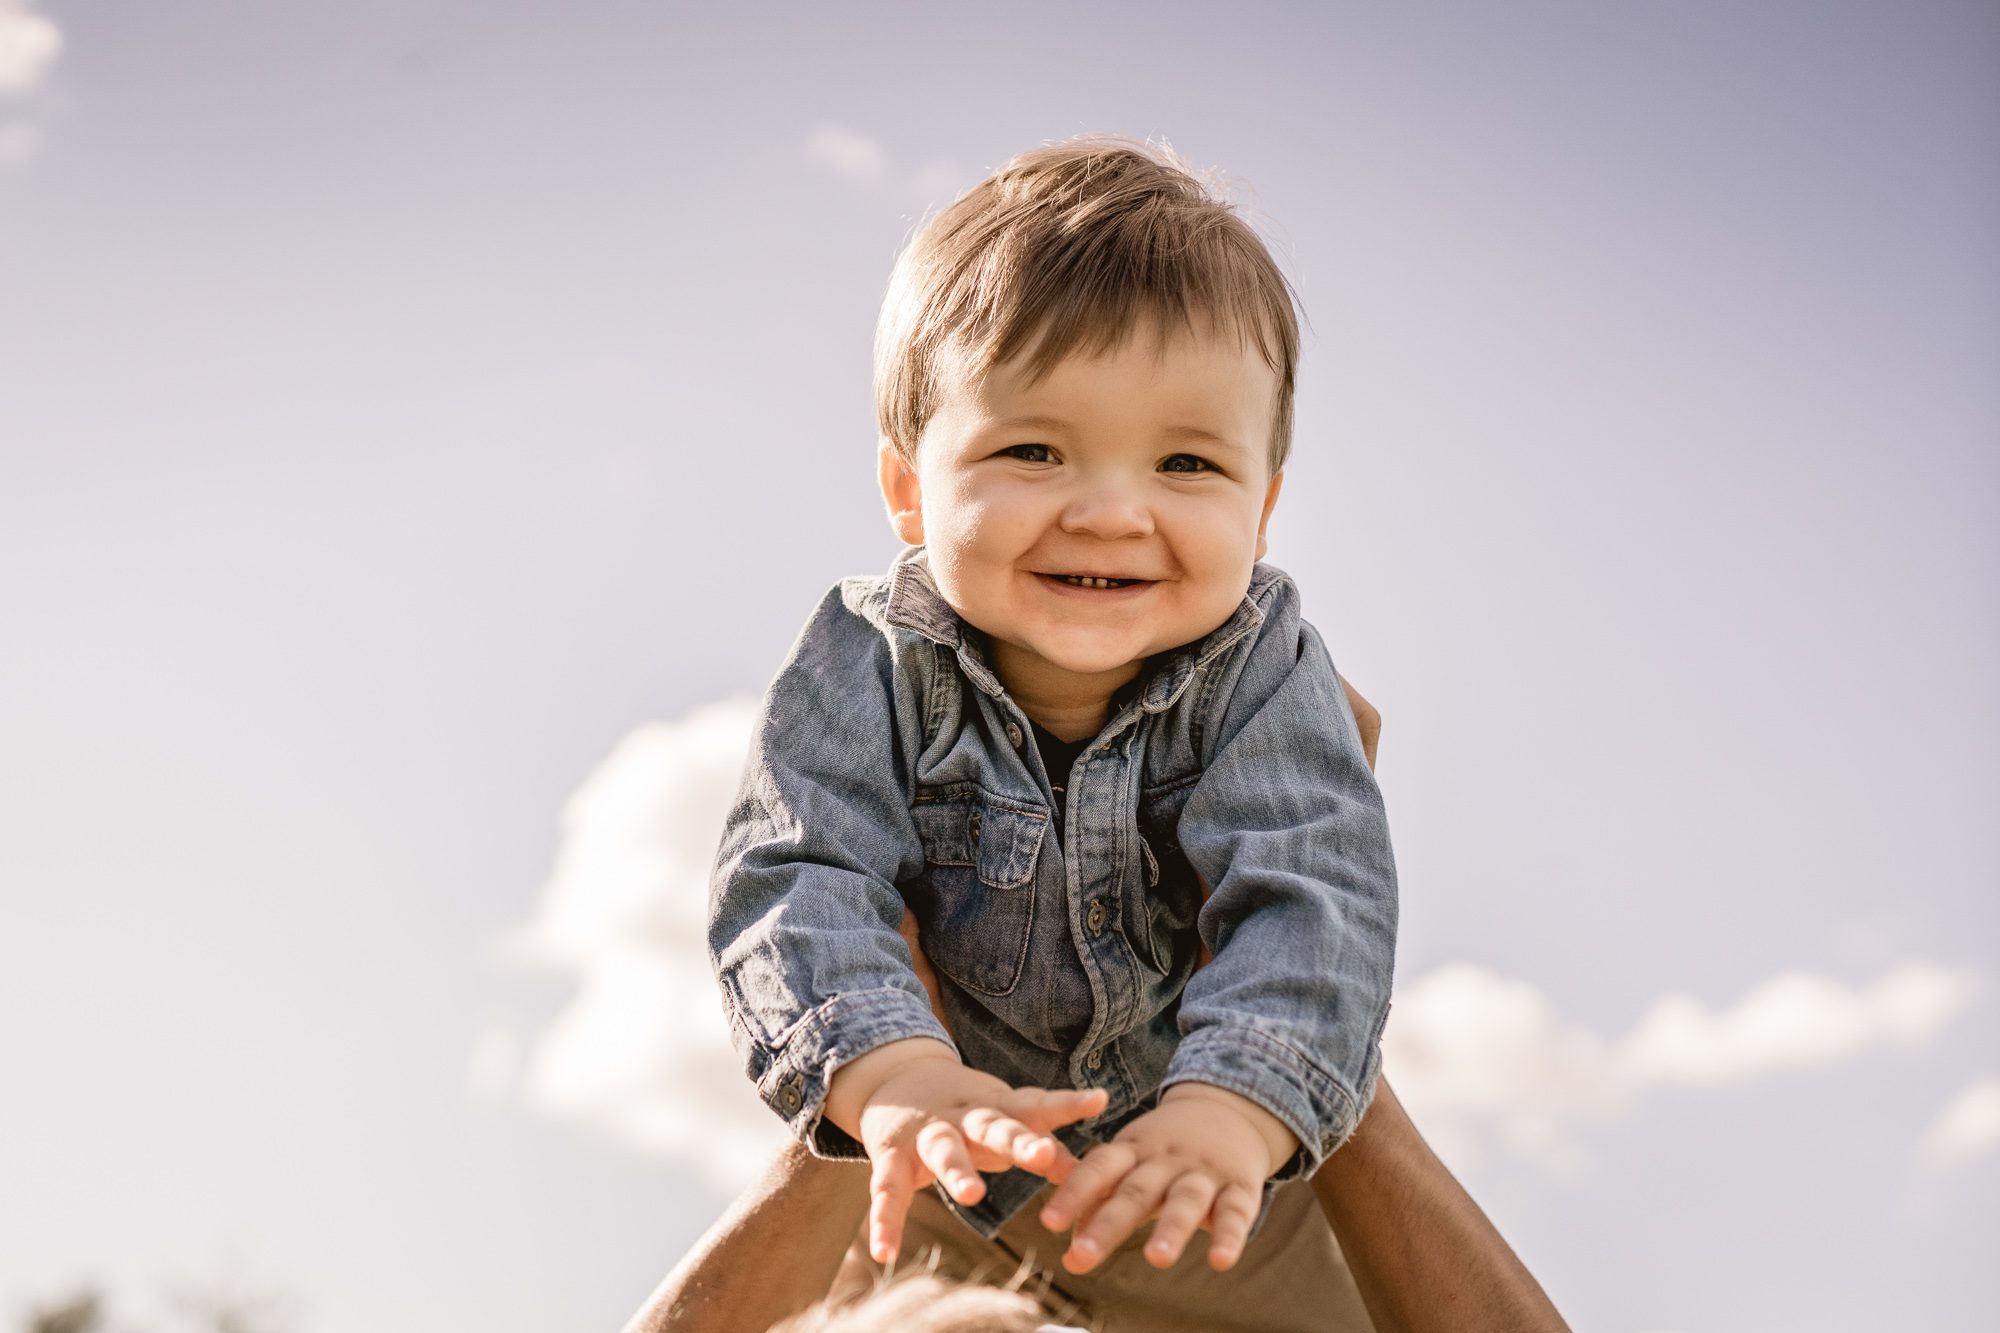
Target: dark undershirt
{"x": 1059, "y": 755}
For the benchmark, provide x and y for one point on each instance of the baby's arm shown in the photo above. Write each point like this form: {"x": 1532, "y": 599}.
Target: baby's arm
{"x": 1287, "y": 823}
{"x": 924, "y": 1116}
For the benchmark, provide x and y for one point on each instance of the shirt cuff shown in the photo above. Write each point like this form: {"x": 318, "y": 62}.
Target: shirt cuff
{"x": 794, "y": 1083}
{"x": 1319, "y": 1110}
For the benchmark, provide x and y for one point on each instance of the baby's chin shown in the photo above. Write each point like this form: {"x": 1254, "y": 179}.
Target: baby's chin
{"x": 1104, "y": 658}
{"x": 1091, "y": 660}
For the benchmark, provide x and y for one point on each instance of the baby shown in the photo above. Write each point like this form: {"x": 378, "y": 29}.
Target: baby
{"x": 1082, "y": 735}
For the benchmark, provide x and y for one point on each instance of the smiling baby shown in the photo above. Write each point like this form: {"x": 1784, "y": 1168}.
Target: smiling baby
{"x": 1083, "y": 735}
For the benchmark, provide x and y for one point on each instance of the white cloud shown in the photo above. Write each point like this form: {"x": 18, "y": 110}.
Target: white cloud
{"x": 29, "y": 44}
{"x": 848, "y": 152}
{"x": 1477, "y": 1055}
{"x": 1482, "y": 1058}
{"x": 642, "y": 1051}
{"x": 1969, "y": 1126}
{"x": 1793, "y": 1021}
{"x": 858, "y": 157}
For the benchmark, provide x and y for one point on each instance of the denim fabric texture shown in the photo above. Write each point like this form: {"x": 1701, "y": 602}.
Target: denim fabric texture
{"x": 889, "y": 766}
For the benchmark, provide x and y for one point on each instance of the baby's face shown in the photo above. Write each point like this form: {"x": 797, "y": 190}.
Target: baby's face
{"x": 1149, "y": 469}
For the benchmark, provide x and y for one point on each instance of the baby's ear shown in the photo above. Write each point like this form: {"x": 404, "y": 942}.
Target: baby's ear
{"x": 901, "y": 492}
{"x": 1264, "y": 522}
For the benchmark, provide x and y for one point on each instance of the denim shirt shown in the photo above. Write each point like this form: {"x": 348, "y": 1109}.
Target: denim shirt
{"x": 890, "y": 767}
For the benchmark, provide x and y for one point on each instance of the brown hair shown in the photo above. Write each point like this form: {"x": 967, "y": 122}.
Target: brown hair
{"x": 1075, "y": 241}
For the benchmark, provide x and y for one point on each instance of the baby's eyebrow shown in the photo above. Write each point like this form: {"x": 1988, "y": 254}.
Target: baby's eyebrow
{"x": 1196, "y": 435}
{"x": 1031, "y": 423}
{"x": 1186, "y": 434}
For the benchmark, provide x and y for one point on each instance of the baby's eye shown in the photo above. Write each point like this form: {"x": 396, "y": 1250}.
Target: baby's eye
{"x": 1186, "y": 463}
{"x": 1030, "y": 453}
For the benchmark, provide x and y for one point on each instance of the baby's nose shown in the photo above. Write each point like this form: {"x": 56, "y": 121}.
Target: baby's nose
{"x": 1108, "y": 511}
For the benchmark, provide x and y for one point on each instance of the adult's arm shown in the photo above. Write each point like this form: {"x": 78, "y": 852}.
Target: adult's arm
{"x": 1426, "y": 1259}
{"x": 773, "y": 1254}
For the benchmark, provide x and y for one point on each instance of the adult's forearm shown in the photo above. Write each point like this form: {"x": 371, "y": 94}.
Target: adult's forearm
{"x": 1425, "y": 1257}
{"x": 774, "y": 1252}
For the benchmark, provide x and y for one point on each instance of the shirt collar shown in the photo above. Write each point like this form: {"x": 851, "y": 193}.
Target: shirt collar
{"x": 916, "y": 604}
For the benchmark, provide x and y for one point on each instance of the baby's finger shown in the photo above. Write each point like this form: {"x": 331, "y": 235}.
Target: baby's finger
{"x": 1189, "y": 1200}
{"x": 1137, "y": 1195}
{"x": 1058, "y": 1170}
{"x": 1048, "y": 1108}
{"x": 1006, "y": 1142}
{"x": 940, "y": 1148}
{"x": 1229, "y": 1225}
{"x": 890, "y": 1186}
{"x": 1094, "y": 1177}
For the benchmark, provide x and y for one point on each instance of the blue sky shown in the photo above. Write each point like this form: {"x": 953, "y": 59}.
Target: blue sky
{"x": 423, "y": 425}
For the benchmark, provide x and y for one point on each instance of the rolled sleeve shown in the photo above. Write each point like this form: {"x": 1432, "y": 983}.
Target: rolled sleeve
{"x": 1288, "y": 826}
{"x": 1319, "y": 1109}
{"x": 803, "y": 904}
{"x": 800, "y": 1070}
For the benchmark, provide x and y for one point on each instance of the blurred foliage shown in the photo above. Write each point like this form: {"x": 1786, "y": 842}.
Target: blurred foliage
{"x": 199, "y": 1311}
{"x": 81, "y": 1313}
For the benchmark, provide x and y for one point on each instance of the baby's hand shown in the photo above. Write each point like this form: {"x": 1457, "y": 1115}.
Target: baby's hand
{"x": 1198, "y": 1160}
{"x": 924, "y": 1116}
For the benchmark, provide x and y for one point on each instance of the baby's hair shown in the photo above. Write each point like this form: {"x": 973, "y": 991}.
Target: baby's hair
{"x": 1076, "y": 242}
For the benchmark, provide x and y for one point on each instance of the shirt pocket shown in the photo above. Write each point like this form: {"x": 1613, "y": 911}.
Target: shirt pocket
{"x": 1161, "y": 914}
{"x": 975, "y": 901}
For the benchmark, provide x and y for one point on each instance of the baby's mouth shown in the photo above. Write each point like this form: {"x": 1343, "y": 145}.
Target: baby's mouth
{"x": 1092, "y": 581}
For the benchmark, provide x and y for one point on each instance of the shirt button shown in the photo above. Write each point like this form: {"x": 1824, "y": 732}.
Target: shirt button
{"x": 1095, "y": 1060}
{"x": 1014, "y": 737}
{"x": 1095, "y": 917}
{"x": 791, "y": 1098}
